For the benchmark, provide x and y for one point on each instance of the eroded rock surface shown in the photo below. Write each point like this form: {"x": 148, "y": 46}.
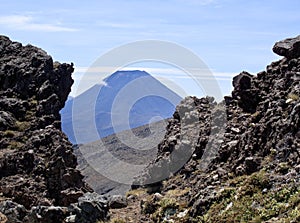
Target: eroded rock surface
{"x": 38, "y": 175}
{"x": 289, "y": 48}
{"x": 249, "y": 172}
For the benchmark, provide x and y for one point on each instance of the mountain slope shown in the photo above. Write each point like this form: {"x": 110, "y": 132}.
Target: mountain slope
{"x": 253, "y": 169}
{"x": 119, "y": 150}
{"x": 128, "y": 96}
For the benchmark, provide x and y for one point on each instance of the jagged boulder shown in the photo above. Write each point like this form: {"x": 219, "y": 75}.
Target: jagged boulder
{"x": 46, "y": 214}
{"x": 12, "y": 211}
{"x": 117, "y": 201}
{"x": 289, "y": 48}
{"x": 90, "y": 208}
{"x": 245, "y": 92}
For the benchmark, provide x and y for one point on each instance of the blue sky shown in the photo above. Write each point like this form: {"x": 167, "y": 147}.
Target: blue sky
{"x": 228, "y": 35}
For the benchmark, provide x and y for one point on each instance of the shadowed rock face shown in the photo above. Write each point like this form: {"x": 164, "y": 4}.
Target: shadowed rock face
{"x": 37, "y": 164}
{"x": 289, "y": 48}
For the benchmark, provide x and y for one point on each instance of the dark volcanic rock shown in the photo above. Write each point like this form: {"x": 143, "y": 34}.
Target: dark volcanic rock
{"x": 37, "y": 164}
{"x": 245, "y": 92}
{"x": 6, "y": 120}
{"x": 90, "y": 208}
{"x": 13, "y": 211}
{"x": 289, "y": 48}
{"x": 117, "y": 201}
{"x": 250, "y": 166}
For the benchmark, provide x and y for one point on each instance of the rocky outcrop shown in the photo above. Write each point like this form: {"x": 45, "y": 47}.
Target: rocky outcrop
{"x": 289, "y": 48}
{"x": 191, "y": 119}
{"x": 90, "y": 208}
{"x": 38, "y": 175}
{"x": 253, "y": 173}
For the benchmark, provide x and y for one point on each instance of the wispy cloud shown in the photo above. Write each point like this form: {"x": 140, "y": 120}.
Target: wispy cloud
{"x": 157, "y": 72}
{"x": 86, "y": 77}
{"x": 24, "y": 22}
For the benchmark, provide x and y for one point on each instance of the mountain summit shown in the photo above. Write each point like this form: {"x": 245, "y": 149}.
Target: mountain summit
{"x": 128, "y": 99}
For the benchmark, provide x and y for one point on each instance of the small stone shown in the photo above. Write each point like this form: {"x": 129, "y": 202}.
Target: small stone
{"x": 117, "y": 201}
{"x": 172, "y": 138}
{"x": 158, "y": 196}
{"x": 183, "y": 213}
{"x": 236, "y": 130}
{"x": 240, "y": 170}
{"x": 215, "y": 177}
{"x": 71, "y": 219}
{"x": 229, "y": 206}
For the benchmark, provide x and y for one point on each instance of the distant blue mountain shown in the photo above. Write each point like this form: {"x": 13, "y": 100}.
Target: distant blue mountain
{"x": 129, "y": 99}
